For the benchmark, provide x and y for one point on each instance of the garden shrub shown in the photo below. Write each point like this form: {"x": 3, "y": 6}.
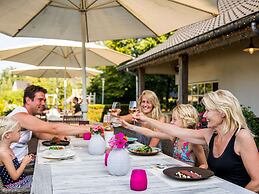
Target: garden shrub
{"x": 97, "y": 111}
{"x": 252, "y": 122}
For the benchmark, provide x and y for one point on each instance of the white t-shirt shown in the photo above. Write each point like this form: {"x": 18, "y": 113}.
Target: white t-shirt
{"x": 20, "y": 148}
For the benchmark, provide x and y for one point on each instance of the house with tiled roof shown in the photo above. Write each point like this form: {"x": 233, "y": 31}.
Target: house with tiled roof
{"x": 209, "y": 55}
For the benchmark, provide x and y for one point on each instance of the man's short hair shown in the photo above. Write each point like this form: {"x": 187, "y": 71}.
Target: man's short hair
{"x": 31, "y": 90}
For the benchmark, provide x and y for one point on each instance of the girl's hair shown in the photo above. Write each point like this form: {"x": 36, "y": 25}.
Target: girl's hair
{"x": 7, "y": 124}
{"x": 188, "y": 114}
{"x": 225, "y": 102}
{"x": 156, "y": 112}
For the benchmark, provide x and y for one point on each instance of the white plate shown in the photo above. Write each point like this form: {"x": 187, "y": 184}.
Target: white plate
{"x": 63, "y": 155}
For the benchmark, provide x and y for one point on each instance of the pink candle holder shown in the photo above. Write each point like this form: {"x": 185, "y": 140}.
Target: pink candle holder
{"x": 87, "y": 136}
{"x": 138, "y": 180}
{"x": 106, "y": 156}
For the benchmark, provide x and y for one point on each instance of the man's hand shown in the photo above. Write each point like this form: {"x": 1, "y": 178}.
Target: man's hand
{"x": 62, "y": 137}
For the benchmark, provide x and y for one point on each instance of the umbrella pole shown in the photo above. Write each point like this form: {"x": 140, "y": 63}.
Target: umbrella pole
{"x": 103, "y": 81}
{"x": 65, "y": 96}
{"x": 57, "y": 90}
{"x": 84, "y": 108}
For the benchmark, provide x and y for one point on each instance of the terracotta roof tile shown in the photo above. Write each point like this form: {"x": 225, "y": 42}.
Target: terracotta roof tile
{"x": 230, "y": 11}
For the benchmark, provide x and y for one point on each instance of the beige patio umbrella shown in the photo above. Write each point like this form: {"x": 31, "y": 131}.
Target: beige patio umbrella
{"x": 100, "y": 19}
{"x": 63, "y": 53}
{"x": 91, "y": 20}
{"x": 55, "y": 72}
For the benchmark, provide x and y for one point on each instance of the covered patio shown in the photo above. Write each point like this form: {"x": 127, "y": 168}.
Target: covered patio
{"x": 209, "y": 52}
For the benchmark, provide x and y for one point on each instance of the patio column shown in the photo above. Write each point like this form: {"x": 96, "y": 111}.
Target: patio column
{"x": 183, "y": 79}
{"x": 141, "y": 80}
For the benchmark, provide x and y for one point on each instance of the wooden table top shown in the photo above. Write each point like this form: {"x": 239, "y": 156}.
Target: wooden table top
{"x": 87, "y": 174}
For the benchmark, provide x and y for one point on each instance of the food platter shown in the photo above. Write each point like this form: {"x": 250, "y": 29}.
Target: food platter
{"x": 188, "y": 173}
{"x": 60, "y": 143}
{"x": 50, "y": 154}
{"x": 136, "y": 150}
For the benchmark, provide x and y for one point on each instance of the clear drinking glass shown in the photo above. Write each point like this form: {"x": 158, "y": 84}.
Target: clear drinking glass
{"x": 133, "y": 109}
{"x": 116, "y": 108}
{"x": 106, "y": 121}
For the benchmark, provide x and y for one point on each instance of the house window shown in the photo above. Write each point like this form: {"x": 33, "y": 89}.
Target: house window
{"x": 197, "y": 90}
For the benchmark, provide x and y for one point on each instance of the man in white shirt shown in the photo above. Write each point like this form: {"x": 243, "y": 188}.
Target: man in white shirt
{"x": 34, "y": 101}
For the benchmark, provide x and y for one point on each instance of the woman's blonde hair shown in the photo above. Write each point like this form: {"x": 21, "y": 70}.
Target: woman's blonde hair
{"x": 7, "y": 124}
{"x": 225, "y": 102}
{"x": 156, "y": 112}
{"x": 188, "y": 114}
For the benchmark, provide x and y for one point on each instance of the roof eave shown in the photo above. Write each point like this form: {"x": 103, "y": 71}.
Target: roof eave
{"x": 239, "y": 24}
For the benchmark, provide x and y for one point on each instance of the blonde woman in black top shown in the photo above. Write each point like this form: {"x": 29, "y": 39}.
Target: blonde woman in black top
{"x": 233, "y": 154}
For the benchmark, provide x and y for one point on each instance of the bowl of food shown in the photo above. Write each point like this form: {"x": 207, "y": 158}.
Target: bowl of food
{"x": 143, "y": 150}
{"x": 57, "y": 150}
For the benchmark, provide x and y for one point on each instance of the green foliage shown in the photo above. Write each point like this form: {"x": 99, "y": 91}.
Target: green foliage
{"x": 252, "y": 122}
{"x": 162, "y": 85}
{"x": 119, "y": 86}
{"x": 199, "y": 107}
{"x": 9, "y": 97}
{"x": 136, "y": 47}
{"x": 97, "y": 111}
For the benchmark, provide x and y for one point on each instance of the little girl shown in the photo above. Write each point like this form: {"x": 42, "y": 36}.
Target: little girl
{"x": 186, "y": 116}
{"x": 11, "y": 170}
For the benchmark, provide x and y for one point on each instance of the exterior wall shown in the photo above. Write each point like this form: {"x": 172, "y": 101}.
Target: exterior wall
{"x": 234, "y": 69}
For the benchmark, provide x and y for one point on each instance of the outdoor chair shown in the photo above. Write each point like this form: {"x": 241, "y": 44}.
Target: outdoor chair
{"x": 72, "y": 119}
{"x": 17, "y": 191}
{"x": 167, "y": 147}
{"x": 28, "y": 171}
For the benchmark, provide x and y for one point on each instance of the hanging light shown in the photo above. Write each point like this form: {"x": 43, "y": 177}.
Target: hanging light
{"x": 251, "y": 49}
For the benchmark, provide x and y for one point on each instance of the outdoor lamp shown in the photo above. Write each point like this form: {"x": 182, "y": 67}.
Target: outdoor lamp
{"x": 251, "y": 49}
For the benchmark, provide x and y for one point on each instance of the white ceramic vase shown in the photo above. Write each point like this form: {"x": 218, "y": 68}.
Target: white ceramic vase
{"x": 118, "y": 162}
{"x": 96, "y": 145}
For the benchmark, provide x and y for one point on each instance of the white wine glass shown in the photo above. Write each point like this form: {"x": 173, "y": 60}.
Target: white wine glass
{"x": 116, "y": 108}
{"x": 133, "y": 109}
{"x": 115, "y": 111}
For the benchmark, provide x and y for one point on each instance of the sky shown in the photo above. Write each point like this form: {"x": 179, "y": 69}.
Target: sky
{"x": 6, "y": 42}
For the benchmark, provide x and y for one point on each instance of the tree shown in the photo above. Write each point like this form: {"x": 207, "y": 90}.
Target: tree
{"x": 120, "y": 86}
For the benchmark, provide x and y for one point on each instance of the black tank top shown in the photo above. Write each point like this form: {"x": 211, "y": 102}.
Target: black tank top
{"x": 229, "y": 165}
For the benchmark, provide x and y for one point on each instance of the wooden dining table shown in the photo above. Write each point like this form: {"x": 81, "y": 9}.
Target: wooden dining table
{"x": 85, "y": 173}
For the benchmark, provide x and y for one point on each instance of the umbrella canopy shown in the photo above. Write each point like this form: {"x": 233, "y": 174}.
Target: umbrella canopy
{"x": 91, "y": 20}
{"x": 102, "y": 19}
{"x": 62, "y": 53}
{"x": 54, "y": 72}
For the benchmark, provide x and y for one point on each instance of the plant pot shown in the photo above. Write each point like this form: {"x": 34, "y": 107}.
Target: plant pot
{"x": 96, "y": 145}
{"x": 118, "y": 162}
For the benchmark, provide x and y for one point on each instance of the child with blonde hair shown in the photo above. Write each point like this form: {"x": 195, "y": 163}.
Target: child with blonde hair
{"x": 11, "y": 170}
{"x": 183, "y": 115}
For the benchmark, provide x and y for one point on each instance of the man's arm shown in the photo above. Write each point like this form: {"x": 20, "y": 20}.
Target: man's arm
{"x": 38, "y": 126}
{"x": 48, "y": 136}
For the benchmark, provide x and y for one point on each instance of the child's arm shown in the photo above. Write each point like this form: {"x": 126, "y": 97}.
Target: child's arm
{"x": 144, "y": 131}
{"x": 200, "y": 155}
{"x": 15, "y": 174}
{"x": 154, "y": 140}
